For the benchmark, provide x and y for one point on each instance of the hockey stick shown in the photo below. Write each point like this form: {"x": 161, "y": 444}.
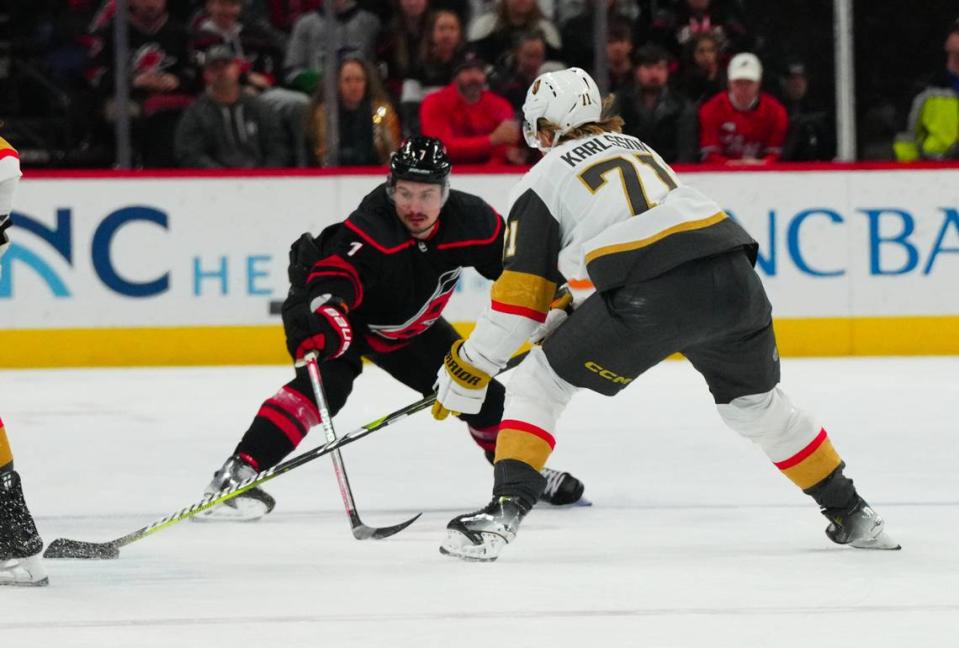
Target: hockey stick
{"x": 360, "y": 530}
{"x": 66, "y": 548}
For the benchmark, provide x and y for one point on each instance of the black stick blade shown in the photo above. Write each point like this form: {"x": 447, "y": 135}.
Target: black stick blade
{"x": 64, "y": 548}
{"x": 363, "y": 532}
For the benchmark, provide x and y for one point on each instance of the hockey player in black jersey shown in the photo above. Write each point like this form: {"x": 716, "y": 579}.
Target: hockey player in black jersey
{"x": 671, "y": 272}
{"x": 375, "y": 286}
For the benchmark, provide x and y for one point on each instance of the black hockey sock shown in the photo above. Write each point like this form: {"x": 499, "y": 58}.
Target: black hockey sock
{"x": 513, "y": 478}
{"x": 835, "y": 491}
{"x": 18, "y": 533}
{"x": 265, "y": 443}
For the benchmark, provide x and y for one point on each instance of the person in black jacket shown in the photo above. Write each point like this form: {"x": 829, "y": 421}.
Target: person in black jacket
{"x": 375, "y": 286}
{"x": 226, "y": 127}
{"x": 655, "y": 113}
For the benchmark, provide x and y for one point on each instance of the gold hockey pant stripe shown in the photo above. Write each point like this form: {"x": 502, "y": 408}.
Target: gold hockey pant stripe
{"x": 813, "y": 463}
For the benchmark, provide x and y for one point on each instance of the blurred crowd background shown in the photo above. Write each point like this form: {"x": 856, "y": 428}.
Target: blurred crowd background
{"x": 247, "y": 83}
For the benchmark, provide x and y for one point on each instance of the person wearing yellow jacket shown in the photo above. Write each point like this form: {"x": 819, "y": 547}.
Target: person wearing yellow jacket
{"x": 933, "y": 129}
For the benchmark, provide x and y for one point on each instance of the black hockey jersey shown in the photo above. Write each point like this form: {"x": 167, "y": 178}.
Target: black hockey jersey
{"x": 395, "y": 286}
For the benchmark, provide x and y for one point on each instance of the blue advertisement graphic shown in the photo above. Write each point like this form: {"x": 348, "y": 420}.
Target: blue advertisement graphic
{"x": 892, "y": 245}
{"x": 59, "y": 242}
{"x": 897, "y": 242}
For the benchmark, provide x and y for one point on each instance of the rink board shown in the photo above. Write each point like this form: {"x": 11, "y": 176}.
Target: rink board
{"x": 175, "y": 268}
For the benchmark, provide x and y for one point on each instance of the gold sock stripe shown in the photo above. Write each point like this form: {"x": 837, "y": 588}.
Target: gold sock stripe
{"x": 812, "y": 464}
{"x": 522, "y": 446}
{"x": 6, "y": 454}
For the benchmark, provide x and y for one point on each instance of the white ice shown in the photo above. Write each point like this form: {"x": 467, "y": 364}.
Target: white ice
{"x": 695, "y": 540}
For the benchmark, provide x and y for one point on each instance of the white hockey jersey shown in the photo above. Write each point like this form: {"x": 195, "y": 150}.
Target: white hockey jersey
{"x": 605, "y": 210}
{"x": 9, "y": 175}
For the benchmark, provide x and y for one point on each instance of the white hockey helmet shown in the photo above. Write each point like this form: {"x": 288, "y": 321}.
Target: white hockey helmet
{"x": 567, "y": 98}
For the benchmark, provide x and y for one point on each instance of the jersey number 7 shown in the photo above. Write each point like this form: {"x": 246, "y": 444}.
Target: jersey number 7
{"x": 594, "y": 177}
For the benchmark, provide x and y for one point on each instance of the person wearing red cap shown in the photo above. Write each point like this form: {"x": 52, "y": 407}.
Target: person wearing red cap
{"x": 476, "y": 125}
{"x": 743, "y": 125}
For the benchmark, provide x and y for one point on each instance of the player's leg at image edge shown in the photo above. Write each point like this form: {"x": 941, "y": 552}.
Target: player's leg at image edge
{"x": 20, "y": 544}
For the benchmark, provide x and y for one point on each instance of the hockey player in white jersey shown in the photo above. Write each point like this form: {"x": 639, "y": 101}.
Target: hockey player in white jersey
{"x": 672, "y": 273}
{"x": 20, "y": 544}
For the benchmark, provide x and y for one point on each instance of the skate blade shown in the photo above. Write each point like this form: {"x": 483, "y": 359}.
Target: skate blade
{"x": 881, "y": 542}
{"x": 25, "y": 583}
{"x": 23, "y": 572}
{"x": 459, "y": 546}
{"x": 242, "y": 509}
{"x": 582, "y": 501}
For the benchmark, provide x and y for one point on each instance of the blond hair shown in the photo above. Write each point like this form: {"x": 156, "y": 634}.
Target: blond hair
{"x": 607, "y": 124}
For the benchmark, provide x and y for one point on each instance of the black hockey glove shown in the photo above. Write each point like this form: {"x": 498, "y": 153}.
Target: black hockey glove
{"x": 303, "y": 254}
{"x": 325, "y": 330}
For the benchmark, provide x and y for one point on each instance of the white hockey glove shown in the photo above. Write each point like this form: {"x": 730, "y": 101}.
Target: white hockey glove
{"x": 460, "y": 387}
{"x": 559, "y": 311}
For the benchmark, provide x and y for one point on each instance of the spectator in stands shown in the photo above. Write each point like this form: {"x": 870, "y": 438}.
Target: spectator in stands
{"x": 258, "y": 48}
{"x": 933, "y": 127}
{"x": 495, "y": 33}
{"x": 476, "y": 125}
{"x": 355, "y": 29}
{"x": 226, "y": 127}
{"x": 405, "y": 42}
{"x": 619, "y": 51}
{"x": 161, "y": 78}
{"x": 702, "y": 74}
{"x": 577, "y": 31}
{"x": 283, "y": 14}
{"x": 629, "y": 11}
{"x": 514, "y": 75}
{"x": 809, "y": 137}
{"x": 260, "y": 53}
{"x": 434, "y": 71}
{"x": 368, "y": 125}
{"x": 674, "y": 27}
{"x": 460, "y": 7}
{"x": 656, "y": 114}
{"x": 743, "y": 125}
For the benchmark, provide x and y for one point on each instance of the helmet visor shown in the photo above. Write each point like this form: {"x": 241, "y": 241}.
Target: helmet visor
{"x": 529, "y": 134}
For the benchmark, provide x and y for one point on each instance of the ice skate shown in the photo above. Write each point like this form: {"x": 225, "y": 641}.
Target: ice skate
{"x": 248, "y": 507}
{"x": 23, "y": 572}
{"x": 480, "y": 536}
{"x": 858, "y": 526}
{"x": 20, "y": 544}
{"x": 562, "y": 489}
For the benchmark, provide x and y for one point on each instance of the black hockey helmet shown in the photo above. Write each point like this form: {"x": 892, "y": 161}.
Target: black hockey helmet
{"x": 421, "y": 159}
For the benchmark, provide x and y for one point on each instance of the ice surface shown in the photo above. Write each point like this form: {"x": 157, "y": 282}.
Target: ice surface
{"x": 694, "y": 539}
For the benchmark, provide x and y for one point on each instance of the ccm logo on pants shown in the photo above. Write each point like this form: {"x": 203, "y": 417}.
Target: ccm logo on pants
{"x": 607, "y": 374}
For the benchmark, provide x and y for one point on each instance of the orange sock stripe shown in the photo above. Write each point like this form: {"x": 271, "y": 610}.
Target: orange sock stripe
{"x": 812, "y": 464}
{"x": 6, "y": 454}
{"x": 522, "y": 446}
